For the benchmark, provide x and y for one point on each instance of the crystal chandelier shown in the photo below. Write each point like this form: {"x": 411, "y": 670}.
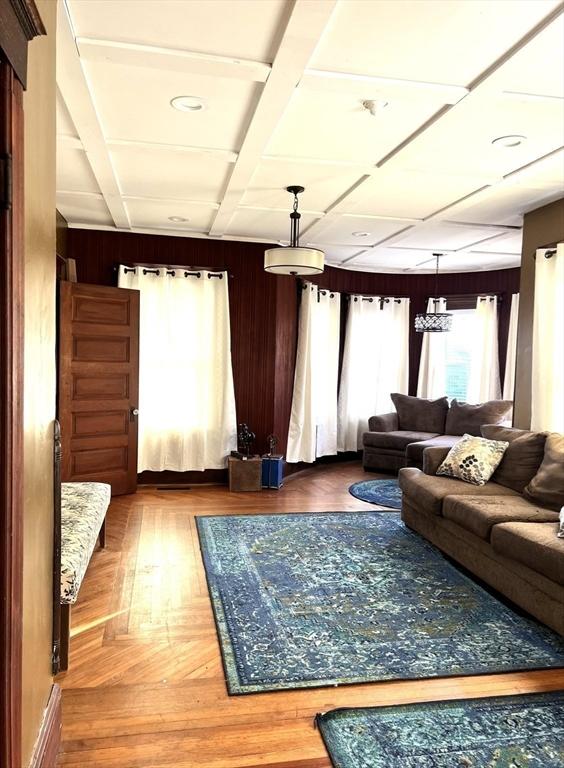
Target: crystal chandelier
{"x": 293, "y": 259}
{"x": 434, "y": 322}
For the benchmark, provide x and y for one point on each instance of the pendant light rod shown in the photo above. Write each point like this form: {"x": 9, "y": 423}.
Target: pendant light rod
{"x": 295, "y": 217}
{"x": 437, "y": 257}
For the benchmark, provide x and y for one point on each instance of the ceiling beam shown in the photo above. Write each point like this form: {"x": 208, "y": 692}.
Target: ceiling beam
{"x": 177, "y": 59}
{"x": 305, "y": 26}
{"x": 76, "y": 94}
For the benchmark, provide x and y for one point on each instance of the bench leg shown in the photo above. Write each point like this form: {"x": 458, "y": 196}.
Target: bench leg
{"x": 102, "y": 534}
{"x": 65, "y": 635}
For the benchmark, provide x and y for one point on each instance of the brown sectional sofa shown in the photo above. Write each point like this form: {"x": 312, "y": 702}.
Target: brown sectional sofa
{"x": 397, "y": 440}
{"x": 496, "y": 532}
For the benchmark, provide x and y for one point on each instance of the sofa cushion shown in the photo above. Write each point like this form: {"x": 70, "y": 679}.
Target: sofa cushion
{"x": 478, "y": 514}
{"x": 535, "y": 545}
{"x": 414, "y": 451}
{"x": 394, "y": 440}
{"x": 522, "y": 458}
{"x": 547, "y": 486}
{"x": 473, "y": 459}
{"x": 428, "y": 491}
{"x": 463, "y": 417}
{"x": 420, "y": 415}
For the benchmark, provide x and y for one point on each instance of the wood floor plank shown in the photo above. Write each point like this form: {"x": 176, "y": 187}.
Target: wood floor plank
{"x": 145, "y": 686}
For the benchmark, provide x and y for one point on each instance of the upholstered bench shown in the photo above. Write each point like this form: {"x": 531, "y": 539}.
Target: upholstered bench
{"x": 83, "y": 520}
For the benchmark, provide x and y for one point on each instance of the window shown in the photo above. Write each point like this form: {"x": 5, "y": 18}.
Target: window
{"x": 459, "y": 346}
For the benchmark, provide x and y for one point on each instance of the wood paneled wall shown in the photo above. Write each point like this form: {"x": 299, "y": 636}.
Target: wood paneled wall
{"x": 264, "y": 310}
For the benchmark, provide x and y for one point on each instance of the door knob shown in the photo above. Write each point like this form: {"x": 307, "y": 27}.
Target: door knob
{"x": 133, "y": 413}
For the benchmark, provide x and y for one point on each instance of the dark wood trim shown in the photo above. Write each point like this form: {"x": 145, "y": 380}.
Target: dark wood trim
{"x": 65, "y": 636}
{"x": 57, "y": 534}
{"x": 20, "y": 22}
{"x": 49, "y": 740}
{"x": 11, "y": 422}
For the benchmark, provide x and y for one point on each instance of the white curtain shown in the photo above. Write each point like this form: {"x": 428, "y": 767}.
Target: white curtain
{"x": 511, "y": 357}
{"x": 484, "y": 382}
{"x": 431, "y": 382}
{"x": 187, "y": 417}
{"x": 548, "y": 342}
{"x": 375, "y": 363}
{"x": 313, "y": 421}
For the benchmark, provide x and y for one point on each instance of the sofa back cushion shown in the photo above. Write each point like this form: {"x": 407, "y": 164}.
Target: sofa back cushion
{"x": 521, "y": 460}
{"x": 419, "y": 415}
{"x": 464, "y": 418}
{"x": 547, "y": 486}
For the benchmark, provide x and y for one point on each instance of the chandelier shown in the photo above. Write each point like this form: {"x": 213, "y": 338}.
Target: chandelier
{"x": 293, "y": 259}
{"x": 434, "y": 322}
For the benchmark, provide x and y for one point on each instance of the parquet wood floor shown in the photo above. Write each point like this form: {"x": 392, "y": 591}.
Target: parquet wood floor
{"x": 145, "y": 686}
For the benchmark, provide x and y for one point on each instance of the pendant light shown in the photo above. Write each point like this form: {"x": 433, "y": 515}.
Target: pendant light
{"x": 434, "y": 322}
{"x": 293, "y": 259}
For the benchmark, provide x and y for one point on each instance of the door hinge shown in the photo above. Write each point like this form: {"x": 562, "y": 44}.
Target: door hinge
{"x": 6, "y": 181}
{"x": 55, "y": 659}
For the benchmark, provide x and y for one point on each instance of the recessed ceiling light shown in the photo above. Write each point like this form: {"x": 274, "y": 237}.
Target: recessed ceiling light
{"x": 509, "y": 141}
{"x": 177, "y": 218}
{"x": 187, "y": 103}
{"x": 360, "y": 234}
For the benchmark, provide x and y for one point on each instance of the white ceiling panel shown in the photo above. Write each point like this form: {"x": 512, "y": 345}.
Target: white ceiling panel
{"x": 506, "y": 204}
{"x": 134, "y": 103}
{"x": 169, "y": 174}
{"x": 440, "y": 41}
{"x": 329, "y": 125}
{"x": 323, "y": 183}
{"x": 461, "y": 142}
{"x": 86, "y": 209}
{"x": 406, "y": 260}
{"x": 265, "y": 224}
{"x": 444, "y": 235}
{"x": 155, "y": 214}
{"x": 73, "y": 171}
{"x": 509, "y": 244}
{"x": 369, "y": 230}
{"x": 251, "y": 30}
{"x": 414, "y": 194}
{"x": 335, "y": 254}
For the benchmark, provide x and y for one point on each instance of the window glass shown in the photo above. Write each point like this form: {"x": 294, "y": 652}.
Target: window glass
{"x": 459, "y": 352}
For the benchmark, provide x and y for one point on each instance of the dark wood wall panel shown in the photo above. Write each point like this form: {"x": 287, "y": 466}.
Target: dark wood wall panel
{"x": 264, "y": 311}
{"x": 252, "y": 302}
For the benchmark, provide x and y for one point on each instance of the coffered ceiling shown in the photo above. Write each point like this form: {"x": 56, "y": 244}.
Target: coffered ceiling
{"x": 282, "y": 85}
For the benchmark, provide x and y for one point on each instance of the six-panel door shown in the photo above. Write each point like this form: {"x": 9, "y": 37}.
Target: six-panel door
{"x": 99, "y": 384}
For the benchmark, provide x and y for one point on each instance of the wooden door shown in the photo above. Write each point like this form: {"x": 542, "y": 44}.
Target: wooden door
{"x": 99, "y": 384}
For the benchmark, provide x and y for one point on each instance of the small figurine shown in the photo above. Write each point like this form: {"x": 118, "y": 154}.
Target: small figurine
{"x": 272, "y": 443}
{"x": 246, "y": 439}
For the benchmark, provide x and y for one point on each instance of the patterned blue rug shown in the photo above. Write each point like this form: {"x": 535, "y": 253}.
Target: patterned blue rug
{"x": 502, "y": 732}
{"x": 347, "y": 597}
{"x": 386, "y": 493}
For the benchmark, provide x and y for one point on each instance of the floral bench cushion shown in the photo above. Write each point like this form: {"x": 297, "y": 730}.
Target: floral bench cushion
{"x": 83, "y": 508}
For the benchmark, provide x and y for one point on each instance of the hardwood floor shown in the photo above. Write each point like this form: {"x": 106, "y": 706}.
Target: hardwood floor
{"x": 145, "y": 686}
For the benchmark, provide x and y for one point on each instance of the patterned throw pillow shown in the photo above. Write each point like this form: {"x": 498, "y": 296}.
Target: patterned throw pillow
{"x": 473, "y": 459}
{"x": 561, "y": 527}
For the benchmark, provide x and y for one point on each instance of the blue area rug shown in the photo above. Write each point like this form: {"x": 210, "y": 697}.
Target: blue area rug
{"x": 346, "y": 597}
{"x": 386, "y": 493}
{"x": 502, "y": 732}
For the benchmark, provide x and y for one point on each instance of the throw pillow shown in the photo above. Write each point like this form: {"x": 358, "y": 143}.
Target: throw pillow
{"x": 464, "y": 418}
{"x": 522, "y": 458}
{"x": 415, "y": 414}
{"x": 547, "y": 486}
{"x": 561, "y": 528}
{"x": 473, "y": 459}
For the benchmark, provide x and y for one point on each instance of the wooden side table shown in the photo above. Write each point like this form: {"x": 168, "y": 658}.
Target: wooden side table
{"x": 245, "y": 474}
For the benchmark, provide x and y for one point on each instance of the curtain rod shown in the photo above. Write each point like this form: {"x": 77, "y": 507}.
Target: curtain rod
{"x": 172, "y": 268}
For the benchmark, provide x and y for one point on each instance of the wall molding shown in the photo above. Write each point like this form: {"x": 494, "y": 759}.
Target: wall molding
{"x": 49, "y": 739}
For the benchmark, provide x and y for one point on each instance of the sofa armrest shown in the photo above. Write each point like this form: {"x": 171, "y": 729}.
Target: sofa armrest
{"x": 433, "y": 458}
{"x": 387, "y": 422}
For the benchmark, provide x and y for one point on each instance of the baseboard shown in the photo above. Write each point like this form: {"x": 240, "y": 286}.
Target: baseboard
{"x": 49, "y": 739}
